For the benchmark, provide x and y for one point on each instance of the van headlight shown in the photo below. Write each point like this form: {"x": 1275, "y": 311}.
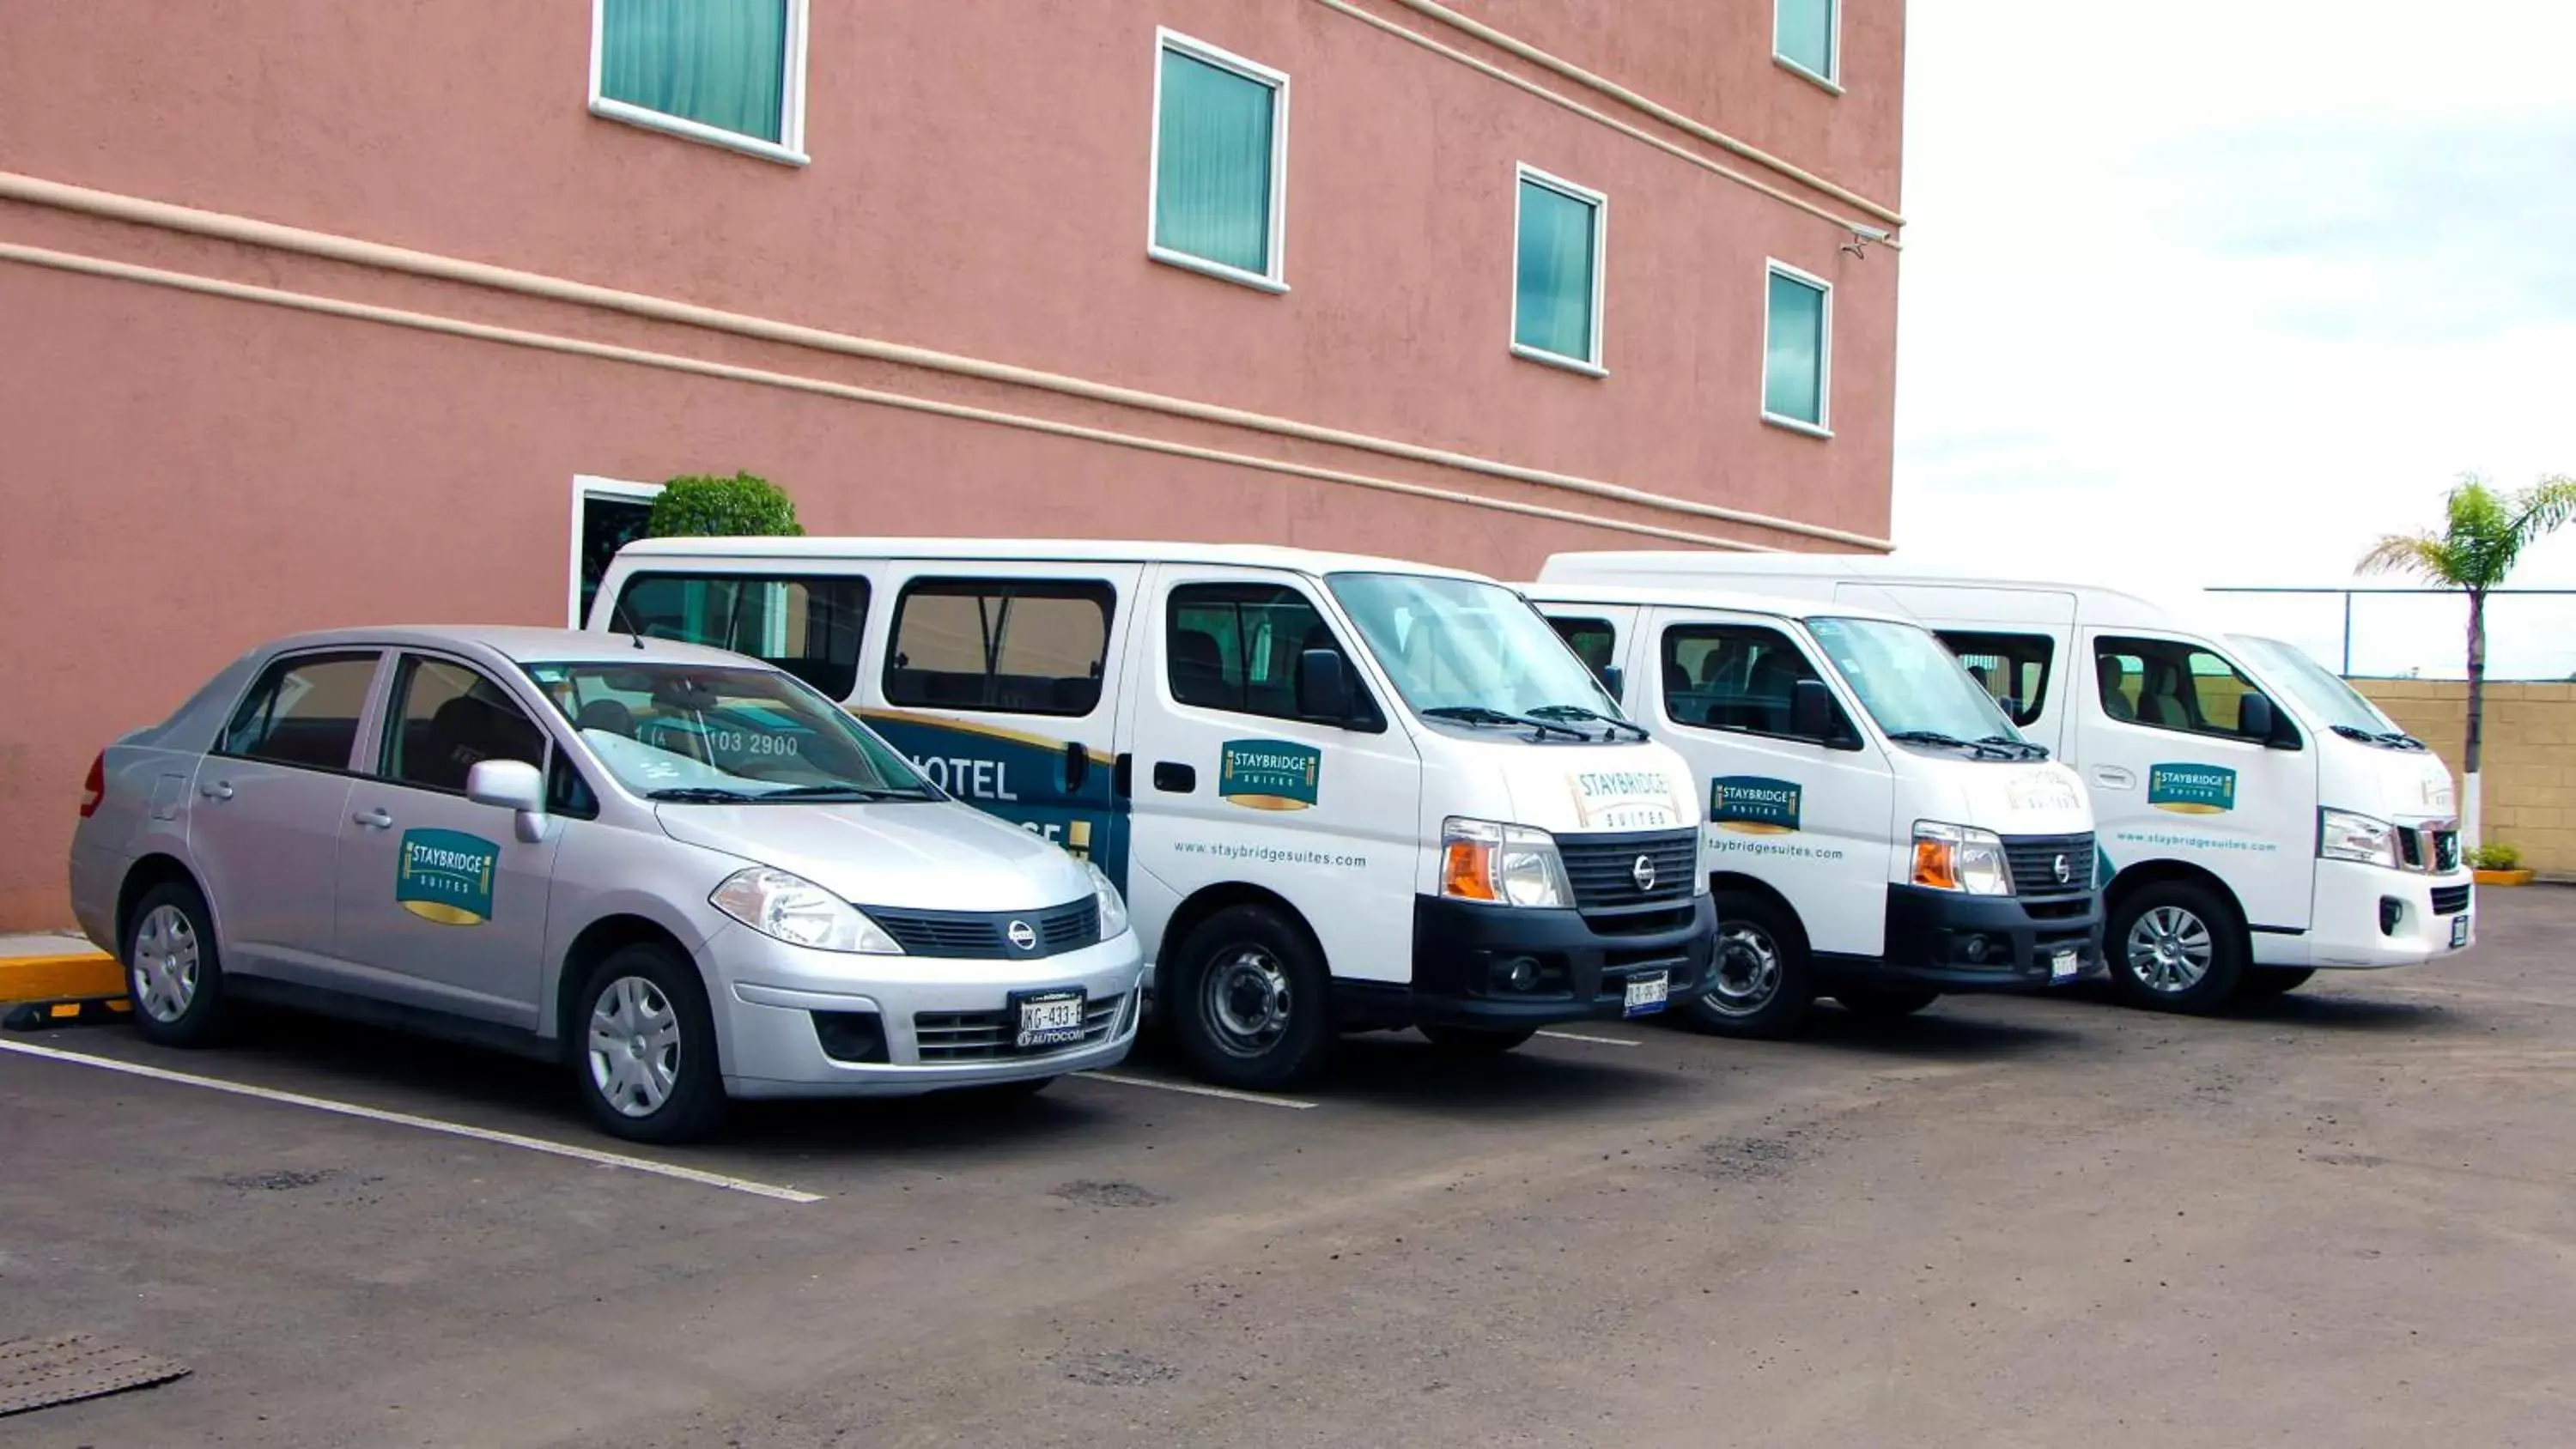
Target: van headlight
{"x": 793, "y": 909}
{"x": 1957, "y": 858}
{"x": 2347, "y": 835}
{"x": 1113, "y": 907}
{"x": 1513, "y": 865}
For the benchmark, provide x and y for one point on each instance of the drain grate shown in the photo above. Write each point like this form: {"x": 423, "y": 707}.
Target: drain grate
{"x": 38, "y": 1373}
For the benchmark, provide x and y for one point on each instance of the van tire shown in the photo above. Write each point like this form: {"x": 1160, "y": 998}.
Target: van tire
{"x": 2174, "y": 945}
{"x": 1885, "y": 1003}
{"x": 1762, "y": 981}
{"x": 666, "y": 1004}
{"x": 1477, "y": 1041}
{"x": 1251, "y": 1001}
{"x": 171, "y": 960}
{"x": 2265, "y": 982}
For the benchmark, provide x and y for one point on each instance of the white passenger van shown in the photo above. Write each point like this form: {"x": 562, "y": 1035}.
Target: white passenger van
{"x": 1338, "y": 792}
{"x": 1877, "y": 828}
{"x": 2260, "y": 819}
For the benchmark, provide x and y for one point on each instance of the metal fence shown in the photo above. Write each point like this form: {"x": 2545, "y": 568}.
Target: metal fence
{"x": 2414, "y": 632}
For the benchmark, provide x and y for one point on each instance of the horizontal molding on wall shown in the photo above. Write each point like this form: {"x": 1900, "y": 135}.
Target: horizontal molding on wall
{"x": 823, "y": 387}
{"x": 224, "y": 226}
{"x": 1666, "y": 114}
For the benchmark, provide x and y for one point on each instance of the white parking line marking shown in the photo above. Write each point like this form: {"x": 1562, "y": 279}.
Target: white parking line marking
{"x": 426, "y": 1124}
{"x": 1228, "y": 1093}
{"x": 1595, "y": 1040}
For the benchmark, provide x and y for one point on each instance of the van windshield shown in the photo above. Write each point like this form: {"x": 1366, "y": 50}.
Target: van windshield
{"x": 1910, "y": 683}
{"x": 2314, "y": 688}
{"x": 1465, "y": 646}
{"x": 698, "y": 734}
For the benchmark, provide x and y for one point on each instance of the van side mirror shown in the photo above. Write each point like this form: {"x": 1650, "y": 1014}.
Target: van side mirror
{"x": 1811, "y": 711}
{"x": 1323, "y": 687}
{"x": 2257, "y": 718}
{"x": 1615, "y": 680}
{"x": 512, "y": 785}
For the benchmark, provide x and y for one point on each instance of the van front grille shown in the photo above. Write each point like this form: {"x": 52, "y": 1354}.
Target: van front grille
{"x": 2034, "y": 860}
{"x": 1604, "y": 873}
{"x": 2450, "y": 900}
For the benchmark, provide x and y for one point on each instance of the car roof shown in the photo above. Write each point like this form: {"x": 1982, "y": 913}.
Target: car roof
{"x": 514, "y": 642}
{"x": 1035, "y": 550}
{"x": 1687, "y": 597}
{"x": 1878, "y": 569}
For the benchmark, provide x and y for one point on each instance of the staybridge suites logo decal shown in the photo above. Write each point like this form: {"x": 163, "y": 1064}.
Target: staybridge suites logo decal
{"x": 1754, "y": 805}
{"x": 446, "y": 876}
{"x": 2191, "y": 789}
{"x": 1269, "y": 774}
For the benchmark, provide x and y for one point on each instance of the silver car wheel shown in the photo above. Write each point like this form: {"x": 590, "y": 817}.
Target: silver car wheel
{"x": 165, "y": 964}
{"x": 1747, "y": 973}
{"x": 1246, "y": 1001}
{"x": 2169, "y": 950}
{"x": 634, "y": 1046}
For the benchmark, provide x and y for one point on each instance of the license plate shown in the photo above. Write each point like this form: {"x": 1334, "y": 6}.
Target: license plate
{"x": 1647, "y": 994}
{"x": 1053, "y": 1019}
{"x": 2459, "y": 932}
{"x": 2065, "y": 966}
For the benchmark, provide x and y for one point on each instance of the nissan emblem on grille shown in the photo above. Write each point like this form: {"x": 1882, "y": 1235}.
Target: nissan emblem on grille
{"x": 1643, "y": 872}
{"x": 2063, "y": 869}
{"x": 1024, "y": 937}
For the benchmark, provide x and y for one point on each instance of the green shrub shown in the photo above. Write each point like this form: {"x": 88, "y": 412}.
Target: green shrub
{"x": 2495, "y": 857}
{"x": 710, "y": 507}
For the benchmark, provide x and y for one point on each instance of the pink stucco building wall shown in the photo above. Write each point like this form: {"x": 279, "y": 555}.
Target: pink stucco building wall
{"x": 184, "y": 474}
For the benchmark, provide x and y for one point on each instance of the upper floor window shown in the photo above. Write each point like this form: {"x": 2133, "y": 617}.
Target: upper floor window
{"x": 1556, "y": 264}
{"x": 1806, "y": 37}
{"x": 1220, "y": 163}
{"x": 726, "y": 72}
{"x": 1797, "y": 351}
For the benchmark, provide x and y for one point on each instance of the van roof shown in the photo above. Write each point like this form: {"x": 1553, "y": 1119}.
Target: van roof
{"x": 1038, "y": 550}
{"x": 1869, "y": 568}
{"x": 1692, "y": 597}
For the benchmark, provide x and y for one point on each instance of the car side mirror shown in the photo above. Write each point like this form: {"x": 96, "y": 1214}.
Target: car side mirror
{"x": 1811, "y": 711}
{"x": 2256, "y": 719}
{"x": 1323, "y": 687}
{"x": 1615, "y": 680}
{"x": 512, "y": 785}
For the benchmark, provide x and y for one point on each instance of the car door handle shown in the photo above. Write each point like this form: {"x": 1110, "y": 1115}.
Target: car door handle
{"x": 2112, "y": 777}
{"x": 218, "y": 790}
{"x": 1173, "y": 778}
{"x": 375, "y": 819}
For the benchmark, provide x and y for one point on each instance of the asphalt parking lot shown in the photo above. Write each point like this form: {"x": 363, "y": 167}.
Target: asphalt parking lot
{"x": 2346, "y": 1217}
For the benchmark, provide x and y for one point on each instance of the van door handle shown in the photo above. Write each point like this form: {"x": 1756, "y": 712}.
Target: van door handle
{"x": 2112, "y": 777}
{"x": 1173, "y": 778}
{"x": 375, "y": 819}
{"x": 218, "y": 790}
{"x": 1122, "y": 777}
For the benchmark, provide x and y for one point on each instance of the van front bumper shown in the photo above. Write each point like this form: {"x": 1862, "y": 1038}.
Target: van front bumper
{"x": 2368, "y": 916}
{"x": 1464, "y": 950}
{"x": 1953, "y": 942}
{"x": 793, "y": 1022}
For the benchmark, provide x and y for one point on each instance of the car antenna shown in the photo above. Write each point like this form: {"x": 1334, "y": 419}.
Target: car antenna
{"x": 620, "y": 612}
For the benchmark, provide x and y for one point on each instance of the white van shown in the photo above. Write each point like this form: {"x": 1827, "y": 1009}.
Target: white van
{"x": 1877, "y": 828}
{"x": 2261, "y": 820}
{"x": 1338, "y": 792}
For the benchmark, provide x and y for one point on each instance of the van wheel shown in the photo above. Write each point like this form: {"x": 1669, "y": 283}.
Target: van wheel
{"x": 174, "y": 975}
{"x": 1760, "y": 981}
{"x": 1251, "y": 1001}
{"x": 646, "y": 1048}
{"x": 2174, "y": 946}
{"x": 1884, "y": 1003}
{"x": 1475, "y": 1041}
{"x": 2264, "y": 982}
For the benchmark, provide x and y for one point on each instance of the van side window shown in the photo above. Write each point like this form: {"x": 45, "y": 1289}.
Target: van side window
{"x": 303, "y": 711}
{"x": 2167, "y": 684}
{"x": 1735, "y": 677}
{"x": 1236, "y": 647}
{"x": 2012, "y": 667}
{"x": 809, "y": 627}
{"x": 1012, "y": 646}
{"x": 1593, "y": 641}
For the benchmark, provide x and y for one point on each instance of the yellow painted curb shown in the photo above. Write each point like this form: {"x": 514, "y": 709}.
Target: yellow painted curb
{"x": 60, "y": 978}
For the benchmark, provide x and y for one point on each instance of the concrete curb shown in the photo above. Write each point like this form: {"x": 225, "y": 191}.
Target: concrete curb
{"x": 66, "y": 976}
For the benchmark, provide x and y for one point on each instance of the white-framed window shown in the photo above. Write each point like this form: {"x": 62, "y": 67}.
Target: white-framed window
{"x": 1797, "y": 350}
{"x": 729, "y": 73}
{"x": 1219, "y": 195}
{"x": 607, "y": 515}
{"x": 1559, "y": 232}
{"x": 1807, "y": 37}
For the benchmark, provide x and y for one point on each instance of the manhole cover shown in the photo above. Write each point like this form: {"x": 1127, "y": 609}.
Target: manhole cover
{"x": 37, "y": 1373}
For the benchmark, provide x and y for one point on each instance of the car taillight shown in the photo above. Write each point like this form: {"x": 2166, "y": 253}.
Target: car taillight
{"x": 94, "y": 788}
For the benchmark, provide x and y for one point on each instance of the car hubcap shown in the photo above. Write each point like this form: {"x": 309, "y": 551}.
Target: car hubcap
{"x": 165, "y": 964}
{"x": 1748, "y": 970}
{"x": 2169, "y": 950}
{"x": 1246, "y": 1002}
{"x": 634, "y": 1046}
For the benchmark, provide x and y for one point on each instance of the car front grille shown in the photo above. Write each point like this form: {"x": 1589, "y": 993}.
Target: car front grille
{"x": 985, "y": 935}
{"x": 971, "y": 1036}
{"x": 1603, "y": 868}
{"x": 2450, "y": 900}
{"x": 2034, "y": 864}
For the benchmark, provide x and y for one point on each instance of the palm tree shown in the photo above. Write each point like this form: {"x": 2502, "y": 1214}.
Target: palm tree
{"x": 2483, "y": 533}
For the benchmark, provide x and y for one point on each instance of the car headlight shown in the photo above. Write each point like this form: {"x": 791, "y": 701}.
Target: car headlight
{"x": 1484, "y": 860}
{"x": 799, "y": 912}
{"x": 2346, "y": 835}
{"x": 1113, "y": 908}
{"x": 1957, "y": 858}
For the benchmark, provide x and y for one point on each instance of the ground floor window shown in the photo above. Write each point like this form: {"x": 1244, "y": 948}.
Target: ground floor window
{"x": 607, "y": 515}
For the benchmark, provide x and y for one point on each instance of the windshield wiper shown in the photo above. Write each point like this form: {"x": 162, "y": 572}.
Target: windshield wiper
{"x": 1951, "y": 742}
{"x": 2393, "y": 739}
{"x": 701, "y": 795}
{"x": 1477, "y": 714}
{"x": 2028, "y": 750}
{"x": 1576, "y": 711}
{"x": 843, "y": 792}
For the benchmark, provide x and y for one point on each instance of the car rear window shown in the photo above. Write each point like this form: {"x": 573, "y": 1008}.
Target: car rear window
{"x": 303, "y": 711}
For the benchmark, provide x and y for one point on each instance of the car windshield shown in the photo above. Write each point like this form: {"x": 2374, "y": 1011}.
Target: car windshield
{"x": 2314, "y": 688}
{"x": 719, "y": 734}
{"x": 1913, "y": 686}
{"x": 1464, "y": 646}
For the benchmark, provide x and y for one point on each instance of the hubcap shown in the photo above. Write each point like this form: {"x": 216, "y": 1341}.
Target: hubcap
{"x": 2169, "y": 950}
{"x": 1748, "y": 970}
{"x": 1246, "y": 1001}
{"x": 165, "y": 964}
{"x": 634, "y": 1046}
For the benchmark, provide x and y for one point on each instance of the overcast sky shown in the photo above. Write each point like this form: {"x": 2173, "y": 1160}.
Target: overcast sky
{"x": 2217, "y": 291}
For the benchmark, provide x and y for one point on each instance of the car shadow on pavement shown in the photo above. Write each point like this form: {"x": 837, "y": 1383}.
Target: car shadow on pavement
{"x": 1400, "y": 1069}
{"x": 1946, "y": 1032}
{"x": 2350, "y": 1013}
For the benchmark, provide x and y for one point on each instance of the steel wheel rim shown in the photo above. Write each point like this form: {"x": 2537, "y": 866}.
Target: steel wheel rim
{"x": 2169, "y": 950}
{"x": 1746, "y": 974}
{"x": 1246, "y": 1002}
{"x": 166, "y": 954}
{"x": 634, "y": 1046}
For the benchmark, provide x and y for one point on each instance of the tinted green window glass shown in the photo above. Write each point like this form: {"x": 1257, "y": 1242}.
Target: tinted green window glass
{"x": 1553, "y": 310}
{"x": 1212, "y": 174}
{"x": 1805, "y": 35}
{"x": 721, "y": 63}
{"x": 1793, "y": 374}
